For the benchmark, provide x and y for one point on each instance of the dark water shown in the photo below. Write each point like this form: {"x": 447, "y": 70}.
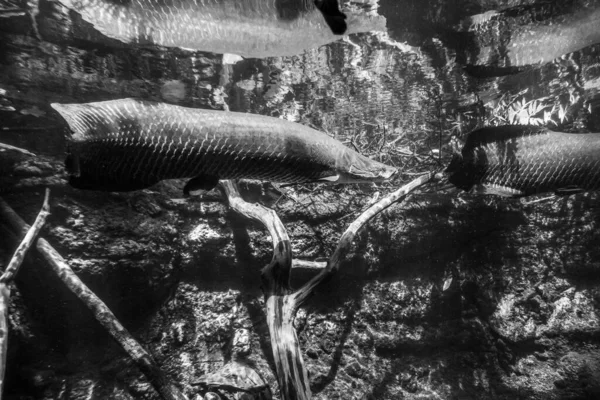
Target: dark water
{"x": 442, "y": 68}
{"x": 395, "y": 96}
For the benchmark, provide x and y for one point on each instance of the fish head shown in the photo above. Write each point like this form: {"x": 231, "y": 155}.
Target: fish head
{"x": 355, "y": 168}
{"x": 459, "y": 173}
{"x": 462, "y": 170}
{"x": 467, "y": 171}
{"x": 376, "y": 174}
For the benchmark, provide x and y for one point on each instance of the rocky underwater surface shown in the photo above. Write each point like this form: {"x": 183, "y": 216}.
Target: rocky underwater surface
{"x": 444, "y": 295}
{"x": 440, "y": 296}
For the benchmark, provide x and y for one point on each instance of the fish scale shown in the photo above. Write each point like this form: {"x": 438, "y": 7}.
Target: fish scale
{"x": 525, "y": 160}
{"x": 249, "y": 28}
{"x": 129, "y": 144}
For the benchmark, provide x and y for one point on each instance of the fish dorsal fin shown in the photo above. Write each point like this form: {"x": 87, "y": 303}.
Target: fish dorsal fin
{"x": 92, "y": 119}
{"x": 73, "y": 115}
{"x": 333, "y": 16}
{"x": 493, "y": 134}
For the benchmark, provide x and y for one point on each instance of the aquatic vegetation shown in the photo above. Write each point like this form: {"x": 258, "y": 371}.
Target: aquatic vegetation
{"x": 427, "y": 288}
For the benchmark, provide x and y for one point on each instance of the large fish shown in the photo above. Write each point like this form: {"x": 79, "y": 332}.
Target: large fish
{"x": 124, "y": 145}
{"x": 249, "y": 28}
{"x": 524, "y": 160}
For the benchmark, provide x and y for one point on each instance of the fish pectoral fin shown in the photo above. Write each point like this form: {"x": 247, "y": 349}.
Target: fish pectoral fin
{"x": 333, "y": 16}
{"x": 567, "y": 191}
{"x": 332, "y": 178}
{"x": 497, "y": 190}
{"x": 72, "y": 164}
{"x": 200, "y": 183}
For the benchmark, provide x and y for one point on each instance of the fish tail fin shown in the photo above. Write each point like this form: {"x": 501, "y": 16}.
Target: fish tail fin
{"x": 337, "y": 24}
{"x": 77, "y": 129}
{"x": 333, "y": 16}
{"x": 493, "y": 134}
{"x": 74, "y": 115}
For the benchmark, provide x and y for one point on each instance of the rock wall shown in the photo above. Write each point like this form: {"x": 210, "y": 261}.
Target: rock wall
{"x": 443, "y": 296}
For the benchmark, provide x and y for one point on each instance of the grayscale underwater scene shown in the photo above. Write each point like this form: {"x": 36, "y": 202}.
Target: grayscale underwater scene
{"x": 299, "y": 199}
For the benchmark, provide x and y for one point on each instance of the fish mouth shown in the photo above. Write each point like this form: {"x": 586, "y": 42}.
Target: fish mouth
{"x": 385, "y": 174}
{"x": 389, "y": 173}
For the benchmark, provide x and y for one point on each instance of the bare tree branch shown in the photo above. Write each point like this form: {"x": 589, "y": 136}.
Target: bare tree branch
{"x": 281, "y": 304}
{"x": 308, "y": 264}
{"x": 4, "y": 302}
{"x": 9, "y": 275}
{"x": 16, "y": 260}
{"x": 281, "y": 264}
{"x": 100, "y": 311}
{"x": 289, "y": 364}
{"x": 14, "y": 148}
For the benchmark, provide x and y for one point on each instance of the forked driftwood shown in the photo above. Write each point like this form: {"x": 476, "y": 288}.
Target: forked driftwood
{"x": 101, "y": 312}
{"x": 9, "y": 275}
{"x": 282, "y": 302}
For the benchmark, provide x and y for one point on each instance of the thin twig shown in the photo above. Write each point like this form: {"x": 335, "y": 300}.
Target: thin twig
{"x": 308, "y": 264}
{"x": 526, "y": 203}
{"x": 4, "y": 302}
{"x": 14, "y": 148}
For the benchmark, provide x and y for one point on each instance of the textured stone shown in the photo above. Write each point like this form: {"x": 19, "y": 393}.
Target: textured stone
{"x": 443, "y": 296}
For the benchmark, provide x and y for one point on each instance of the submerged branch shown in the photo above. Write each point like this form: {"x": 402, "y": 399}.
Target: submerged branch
{"x": 100, "y": 311}
{"x": 281, "y": 264}
{"x": 9, "y": 275}
{"x": 4, "y": 303}
{"x": 280, "y": 308}
{"x": 346, "y": 240}
{"x": 5, "y": 146}
{"x": 308, "y": 264}
{"x": 281, "y": 304}
{"x": 17, "y": 259}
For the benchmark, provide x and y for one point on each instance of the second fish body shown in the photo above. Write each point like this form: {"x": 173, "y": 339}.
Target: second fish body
{"x": 125, "y": 145}
{"x": 249, "y": 28}
{"x": 519, "y": 161}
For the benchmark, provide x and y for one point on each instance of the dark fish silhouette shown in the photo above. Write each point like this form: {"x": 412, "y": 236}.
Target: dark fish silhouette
{"x": 249, "y": 28}
{"x": 333, "y": 16}
{"x": 128, "y": 144}
{"x": 525, "y": 160}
